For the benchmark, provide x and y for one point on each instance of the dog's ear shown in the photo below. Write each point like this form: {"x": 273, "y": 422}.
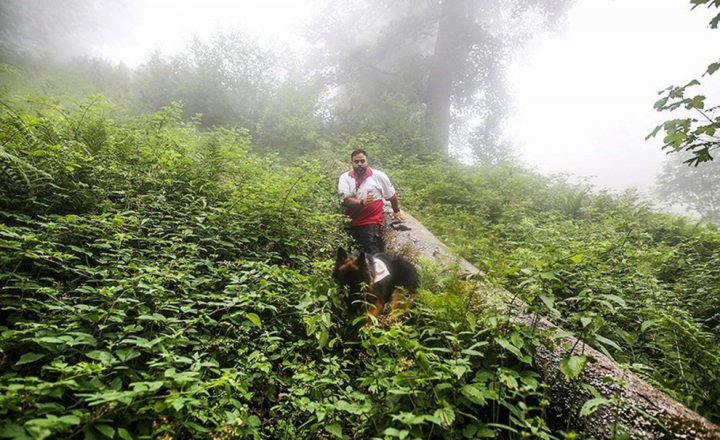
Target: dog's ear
{"x": 341, "y": 255}
{"x": 362, "y": 259}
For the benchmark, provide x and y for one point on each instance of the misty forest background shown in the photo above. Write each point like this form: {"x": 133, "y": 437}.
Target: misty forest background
{"x": 168, "y": 233}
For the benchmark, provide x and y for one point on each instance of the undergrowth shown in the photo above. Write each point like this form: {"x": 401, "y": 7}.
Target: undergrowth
{"x": 639, "y": 285}
{"x": 157, "y": 281}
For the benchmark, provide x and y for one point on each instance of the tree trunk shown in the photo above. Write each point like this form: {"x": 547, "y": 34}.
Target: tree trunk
{"x": 639, "y": 410}
{"x": 449, "y": 51}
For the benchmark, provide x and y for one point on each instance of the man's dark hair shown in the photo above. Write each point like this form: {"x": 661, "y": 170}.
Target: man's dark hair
{"x": 358, "y": 151}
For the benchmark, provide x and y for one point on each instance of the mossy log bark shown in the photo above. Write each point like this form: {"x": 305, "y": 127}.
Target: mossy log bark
{"x": 638, "y": 409}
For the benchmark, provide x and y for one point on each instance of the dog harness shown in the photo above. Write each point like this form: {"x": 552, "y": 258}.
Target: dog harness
{"x": 381, "y": 270}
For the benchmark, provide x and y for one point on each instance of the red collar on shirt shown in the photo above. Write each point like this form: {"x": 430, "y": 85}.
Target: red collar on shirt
{"x": 368, "y": 173}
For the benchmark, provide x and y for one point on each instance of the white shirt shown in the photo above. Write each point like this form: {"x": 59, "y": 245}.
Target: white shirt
{"x": 375, "y": 182}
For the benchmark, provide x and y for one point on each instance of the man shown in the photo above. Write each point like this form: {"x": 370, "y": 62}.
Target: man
{"x": 363, "y": 190}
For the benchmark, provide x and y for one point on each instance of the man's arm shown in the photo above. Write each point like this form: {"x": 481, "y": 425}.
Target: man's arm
{"x": 394, "y": 203}
{"x": 353, "y": 202}
{"x": 397, "y": 212}
{"x": 388, "y": 189}
{"x": 348, "y": 201}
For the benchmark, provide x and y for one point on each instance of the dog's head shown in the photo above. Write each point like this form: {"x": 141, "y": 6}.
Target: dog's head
{"x": 353, "y": 271}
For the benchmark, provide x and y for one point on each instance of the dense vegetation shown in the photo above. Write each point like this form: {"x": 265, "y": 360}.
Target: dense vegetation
{"x": 162, "y": 281}
{"x": 167, "y": 236}
{"x": 641, "y": 286}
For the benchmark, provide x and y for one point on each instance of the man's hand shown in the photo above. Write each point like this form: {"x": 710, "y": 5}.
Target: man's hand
{"x": 398, "y": 216}
{"x": 368, "y": 199}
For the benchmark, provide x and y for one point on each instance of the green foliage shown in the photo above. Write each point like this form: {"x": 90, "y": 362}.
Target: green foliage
{"x": 631, "y": 282}
{"x": 697, "y": 188}
{"x": 138, "y": 274}
{"x": 289, "y": 124}
{"x": 488, "y": 150}
{"x": 163, "y": 282}
{"x": 62, "y": 165}
{"x": 392, "y": 116}
{"x": 227, "y": 80}
{"x": 159, "y": 278}
{"x": 709, "y": 3}
{"x": 695, "y": 136}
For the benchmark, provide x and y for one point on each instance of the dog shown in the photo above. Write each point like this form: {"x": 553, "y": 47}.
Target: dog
{"x": 373, "y": 280}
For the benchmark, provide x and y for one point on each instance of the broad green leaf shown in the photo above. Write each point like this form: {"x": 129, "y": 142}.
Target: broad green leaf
{"x": 334, "y": 429}
{"x": 29, "y": 358}
{"x": 154, "y": 317}
{"x": 486, "y": 433}
{"x": 605, "y": 341}
{"x": 616, "y": 299}
{"x": 480, "y": 430}
{"x": 470, "y": 352}
{"x": 352, "y": 408}
{"x": 549, "y": 302}
{"x": 399, "y": 433}
{"x": 322, "y": 338}
{"x": 254, "y": 318}
{"x": 647, "y": 324}
{"x": 473, "y": 394}
{"x": 459, "y": 370}
{"x": 13, "y": 431}
{"x": 547, "y": 275}
{"x": 423, "y": 361}
{"x": 573, "y": 366}
{"x": 659, "y": 105}
{"x": 125, "y": 435}
{"x": 51, "y": 340}
{"x": 81, "y": 338}
{"x": 592, "y": 405}
{"x": 70, "y": 419}
{"x": 102, "y": 356}
{"x": 106, "y": 430}
{"x": 504, "y": 343}
{"x": 194, "y": 426}
{"x": 712, "y": 68}
{"x": 409, "y": 418}
{"x": 126, "y": 354}
{"x": 446, "y": 415}
{"x": 509, "y": 380}
{"x": 391, "y": 432}
{"x": 147, "y": 386}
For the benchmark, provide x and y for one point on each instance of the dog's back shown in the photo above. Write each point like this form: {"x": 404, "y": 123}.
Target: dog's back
{"x": 382, "y": 284}
{"x": 402, "y": 274}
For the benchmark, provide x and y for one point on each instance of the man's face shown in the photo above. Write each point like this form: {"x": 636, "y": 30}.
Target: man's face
{"x": 359, "y": 164}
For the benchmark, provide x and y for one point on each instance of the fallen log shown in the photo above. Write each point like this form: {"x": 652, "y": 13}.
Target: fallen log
{"x": 634, "y": 407}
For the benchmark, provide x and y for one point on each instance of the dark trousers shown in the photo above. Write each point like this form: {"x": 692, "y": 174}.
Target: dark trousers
{"x": 369, "y": 238}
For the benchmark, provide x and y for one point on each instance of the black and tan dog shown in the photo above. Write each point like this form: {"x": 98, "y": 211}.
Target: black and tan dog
{"x": 373, "y": 280}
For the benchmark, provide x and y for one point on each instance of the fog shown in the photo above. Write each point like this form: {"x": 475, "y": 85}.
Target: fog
{"x": 581, "y": 92}
{"x": 583, "y": 99}
{"x": 169, "y": 25}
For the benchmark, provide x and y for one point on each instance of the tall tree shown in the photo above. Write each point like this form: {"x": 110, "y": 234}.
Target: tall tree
{"x": 451, "y": 45}
{"x": 697, "y": 188}
{"x": 228, "y": 79}
{"x": 488, "y": 150}
{"x": 445, "y": 58}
